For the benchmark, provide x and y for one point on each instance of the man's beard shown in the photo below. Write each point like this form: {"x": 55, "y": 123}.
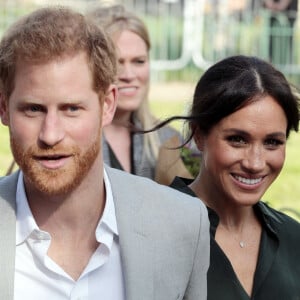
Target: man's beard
{"x": 55, "y": 181}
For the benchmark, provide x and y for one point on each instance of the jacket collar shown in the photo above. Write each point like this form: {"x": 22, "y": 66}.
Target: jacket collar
{"x": 8, "y": 187}
{"x": 135, "y": 244}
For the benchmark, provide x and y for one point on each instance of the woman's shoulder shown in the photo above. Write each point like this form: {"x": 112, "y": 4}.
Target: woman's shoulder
{"x": 282, "y": 223}
{"x": 167, "y": 133}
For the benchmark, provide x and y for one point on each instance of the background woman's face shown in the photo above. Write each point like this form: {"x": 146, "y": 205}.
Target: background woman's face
{"x": 133, "y": 74}
{"x": 244, "y": 152}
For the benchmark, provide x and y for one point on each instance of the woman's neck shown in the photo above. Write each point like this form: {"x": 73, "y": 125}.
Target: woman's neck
{"x": 231, "y": 214}
{"x": 122, "y": 117}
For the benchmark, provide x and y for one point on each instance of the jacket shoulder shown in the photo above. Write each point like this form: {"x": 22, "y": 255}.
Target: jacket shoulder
{"x": 8, "y": 185}
{"x": 145, "y": 199}
{"x": 149, "y": 190}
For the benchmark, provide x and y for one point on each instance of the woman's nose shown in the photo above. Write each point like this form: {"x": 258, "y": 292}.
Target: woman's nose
{"x": 126, "y": 72}
{"x": 254, "y": 160}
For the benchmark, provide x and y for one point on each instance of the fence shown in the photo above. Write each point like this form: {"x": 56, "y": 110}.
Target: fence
{"x": 197, "y": 33}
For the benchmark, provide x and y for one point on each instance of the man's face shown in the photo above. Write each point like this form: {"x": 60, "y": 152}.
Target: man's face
{"x": 55, "y": 120}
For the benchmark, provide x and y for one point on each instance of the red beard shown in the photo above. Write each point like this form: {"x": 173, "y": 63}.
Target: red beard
{"x": 55, "y": 181}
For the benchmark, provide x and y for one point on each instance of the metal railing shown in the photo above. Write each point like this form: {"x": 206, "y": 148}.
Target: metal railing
{"x": 197, "y": 32}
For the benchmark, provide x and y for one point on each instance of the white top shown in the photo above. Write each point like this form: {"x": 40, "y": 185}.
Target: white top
{"x": 37, "y": 276}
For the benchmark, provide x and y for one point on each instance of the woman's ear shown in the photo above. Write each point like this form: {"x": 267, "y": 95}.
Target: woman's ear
{"x": 199, "y": 139}
{"x": 109, "y": 104}
{"x": 4, "y": 110}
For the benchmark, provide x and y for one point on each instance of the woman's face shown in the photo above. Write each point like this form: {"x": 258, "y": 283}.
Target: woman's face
{"x": 133, "y": 74}
{"x": 243, "y": 153}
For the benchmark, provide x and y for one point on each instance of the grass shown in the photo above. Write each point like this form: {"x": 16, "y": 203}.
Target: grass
{"x": 284, "y": 193}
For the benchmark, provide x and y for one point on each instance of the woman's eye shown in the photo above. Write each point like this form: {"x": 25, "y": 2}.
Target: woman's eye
{"x": 274, "y": 143}
{"x": 236, "y": 139}
{"x": 140, "y": 61}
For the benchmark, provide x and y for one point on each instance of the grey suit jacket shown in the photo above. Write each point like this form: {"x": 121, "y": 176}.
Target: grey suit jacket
{"x": 163, "y": 235}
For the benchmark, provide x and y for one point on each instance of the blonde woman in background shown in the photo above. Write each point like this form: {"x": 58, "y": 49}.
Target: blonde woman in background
{"x": 122, "y": 148}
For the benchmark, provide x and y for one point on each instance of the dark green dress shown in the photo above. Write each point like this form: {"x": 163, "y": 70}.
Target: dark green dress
{"x": 277, "y": 275}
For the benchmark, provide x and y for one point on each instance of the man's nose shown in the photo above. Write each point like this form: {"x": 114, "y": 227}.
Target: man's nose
{"x": 52, "y": 131}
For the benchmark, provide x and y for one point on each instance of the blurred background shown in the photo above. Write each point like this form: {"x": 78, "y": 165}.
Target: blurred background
{"x": 190, "y": 35}
{"x": 187, "y": 37}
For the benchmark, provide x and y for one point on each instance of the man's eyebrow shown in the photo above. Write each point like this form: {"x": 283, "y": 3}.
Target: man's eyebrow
{"x": 27, "y": 102}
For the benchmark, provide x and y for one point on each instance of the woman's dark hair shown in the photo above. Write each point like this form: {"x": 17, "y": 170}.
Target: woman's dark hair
{"x": 233, "y": 83}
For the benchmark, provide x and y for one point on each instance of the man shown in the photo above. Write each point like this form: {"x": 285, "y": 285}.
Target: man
{"x": 71, "y": 228}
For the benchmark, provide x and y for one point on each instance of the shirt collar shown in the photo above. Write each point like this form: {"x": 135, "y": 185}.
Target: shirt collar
{"x": 109, "y": 215}
{"x": 26, "y": 224}
{"x": 269, "y": 219}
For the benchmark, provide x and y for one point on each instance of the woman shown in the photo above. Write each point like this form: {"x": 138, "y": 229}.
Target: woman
{"x": 242, "y": 113}
{"x": 122, "y": 149}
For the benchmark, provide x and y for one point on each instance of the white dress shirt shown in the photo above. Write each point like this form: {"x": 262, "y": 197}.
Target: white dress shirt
{"x": 37, "y": 276}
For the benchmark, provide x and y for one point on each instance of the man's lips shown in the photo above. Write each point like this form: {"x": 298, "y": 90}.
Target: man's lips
{"x": 53, "y": 161}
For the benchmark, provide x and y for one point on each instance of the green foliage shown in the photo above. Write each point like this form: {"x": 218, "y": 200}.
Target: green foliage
{"x": 191, "y": 160}
{"x": 166, "y": 36}
{"x": 220, "y": 37}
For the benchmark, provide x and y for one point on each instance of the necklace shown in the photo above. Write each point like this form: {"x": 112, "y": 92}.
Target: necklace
{"x": 241, "y": 243}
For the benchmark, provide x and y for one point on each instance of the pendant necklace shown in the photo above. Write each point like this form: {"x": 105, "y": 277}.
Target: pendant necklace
{"x": 242, "y": 244}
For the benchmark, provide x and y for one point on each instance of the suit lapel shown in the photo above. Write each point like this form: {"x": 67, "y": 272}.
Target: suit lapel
{"x": 135, "y": 244}
{"x": 8, "y": 235}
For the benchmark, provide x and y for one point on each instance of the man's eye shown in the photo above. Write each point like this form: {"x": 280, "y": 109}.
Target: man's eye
{"x": 32, "y": 110}
{"x": 73, "y": 108}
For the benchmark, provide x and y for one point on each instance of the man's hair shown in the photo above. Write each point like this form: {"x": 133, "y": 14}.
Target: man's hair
{"x": 52, "y": 33}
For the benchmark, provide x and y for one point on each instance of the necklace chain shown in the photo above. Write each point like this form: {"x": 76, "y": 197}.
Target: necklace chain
{"x": 241, "y": 243}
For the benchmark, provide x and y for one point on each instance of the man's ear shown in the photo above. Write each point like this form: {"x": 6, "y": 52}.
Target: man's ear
{"x": 109, "y": 104}
{"x": 3, "y": 110}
